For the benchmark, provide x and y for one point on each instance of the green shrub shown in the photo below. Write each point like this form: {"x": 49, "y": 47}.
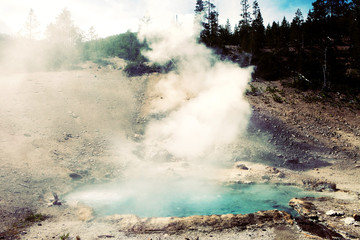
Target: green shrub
{"x": 35, "y": 217}
{"x": 271, "y": 89}
{"x": 253, "y": 90}
{"x": 126, "y": 46}
{"x": 277, "y": 98}
{"x": 140, "y": 68}
{"x": 65, "y": 236}
{"x": 133, "y": 69}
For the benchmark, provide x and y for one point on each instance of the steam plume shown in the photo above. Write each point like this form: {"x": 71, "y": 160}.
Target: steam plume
{"x": 203, "y": 100}
{"x": 201, "y": 108}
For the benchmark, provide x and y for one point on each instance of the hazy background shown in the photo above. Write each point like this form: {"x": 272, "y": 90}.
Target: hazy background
{"x": 111, "y": 17}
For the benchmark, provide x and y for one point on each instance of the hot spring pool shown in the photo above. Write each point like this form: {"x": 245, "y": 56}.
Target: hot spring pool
{"x": 184, "y": 198}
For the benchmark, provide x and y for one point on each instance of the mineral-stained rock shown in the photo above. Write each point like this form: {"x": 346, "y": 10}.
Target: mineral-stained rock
{"x": 356, "y": 216}
{"x": 349, "y": 221}
{"x": 281, "y": 175}
{"x": 317, "y": 229}
{"x": 204, "y": 223}
{"x": 319, "y": 186}
{"x": 304, "y": 207}
{"x": 335, "y": 213}
{"x": 241, "y": 166}
{"x": 75, "y": 176}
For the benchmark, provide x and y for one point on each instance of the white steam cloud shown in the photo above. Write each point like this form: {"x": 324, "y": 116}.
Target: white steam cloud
{"x": 203, "y": 100}
{"x": 197, "y": 110}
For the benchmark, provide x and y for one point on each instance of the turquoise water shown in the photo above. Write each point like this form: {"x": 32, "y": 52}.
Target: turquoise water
{"x": 184, "y": 198}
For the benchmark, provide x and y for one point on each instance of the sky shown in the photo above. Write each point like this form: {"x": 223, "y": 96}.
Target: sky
{"x": 110, "y": 17}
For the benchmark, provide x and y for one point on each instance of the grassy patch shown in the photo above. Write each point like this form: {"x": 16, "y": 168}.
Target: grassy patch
{"x": 277, "y": 94}
{"x": 65, "y": 236}
{"x": 253, "y": 90}
{"x": 312, "y": 98}
{"x": 35, "y": 218}
{"x": 104, "y": 63}
{"x": 274, "y": 90}
{"x": 277, "y": 98}
{"x": 22, "y": 223}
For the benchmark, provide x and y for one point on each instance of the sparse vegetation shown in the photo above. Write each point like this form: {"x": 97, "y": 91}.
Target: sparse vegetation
{"x": 65, "y": 236}
{"x": 277, "y": 98}
{"x": 253, "y": 90}
{"x": 312, "y": 98}
{"x": 103, "y": 63}
{"x": 126, "y": 46}
{"x": 36, "y": 217}
{"x": 22, "y": 223}
{"x": 274, "y": 92}
{"x": 272, "y": 89}
{"x": 138, "y": 68}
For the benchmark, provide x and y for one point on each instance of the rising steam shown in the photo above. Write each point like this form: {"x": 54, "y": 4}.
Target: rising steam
{"x": 203, "y": 100}
{"x": 200, "y": 108}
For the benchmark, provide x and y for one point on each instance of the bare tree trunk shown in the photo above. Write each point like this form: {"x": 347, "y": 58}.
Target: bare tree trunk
{"x": 325, "y": 69}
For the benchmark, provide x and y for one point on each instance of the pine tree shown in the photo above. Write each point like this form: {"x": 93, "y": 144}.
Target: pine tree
{"x": 245, "y": 14}
{"x": 64, "y": 37}
{"x": 298, "y": 19}
{"x": 284, "y": 32}
{"x": 228, "y": 26}
{"x": 319, "y": 11}
{"x": 213, "y": 19}
{"x": 200, "y": 18}
{"x": 31, "y": 25}
{"x": 63, "y": 30}
{"x": 244, "y": 27}
{"x": 91, "y": 35}
{"x": 258, "y": 29}
{"x": 296, "y": 31}
{"x": 327, "y": 8}
{"x": 225, "y": 33}
{"x": 199, "y": 8}
{"x": 209, "y": 18}
{"x": 336, "y": 7}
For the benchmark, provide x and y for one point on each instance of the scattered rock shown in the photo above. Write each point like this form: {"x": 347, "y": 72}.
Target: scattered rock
{"x": 106, "y": 236}
{"x": 319, "y": 186}
{"x": 281, "y": 175}
{"x": 350, "y": 221}
{"x": 241, "y": 166}
{"x": 56, "y": 201}
{"x": 356, "y": 216}
{"x": 75, "y": 176}
{"x": 335, "y": 213}
{"x": 273, "y": 170}
{"x": 68, "y": 136}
